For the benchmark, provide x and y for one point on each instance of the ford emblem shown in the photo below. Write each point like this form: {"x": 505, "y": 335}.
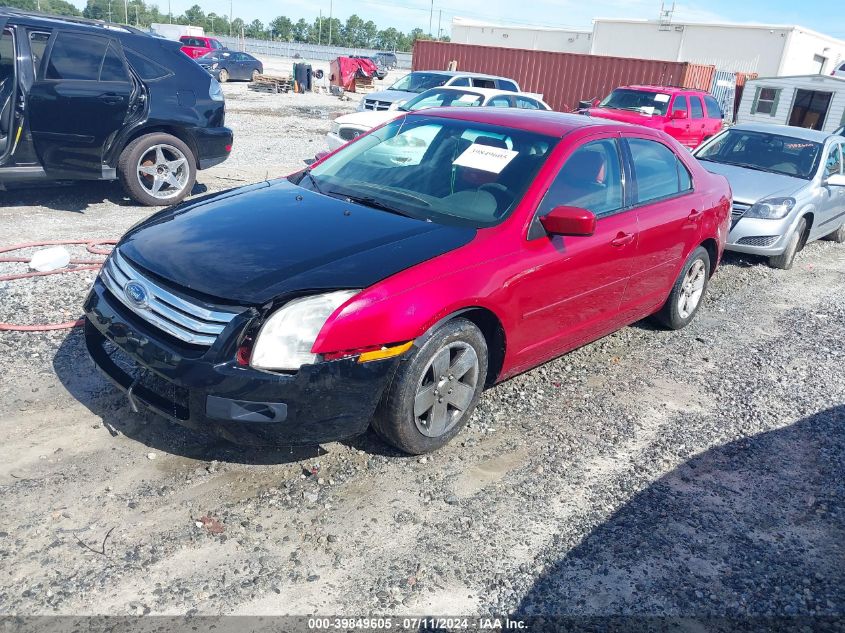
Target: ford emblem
{"x": 136, "y": 294}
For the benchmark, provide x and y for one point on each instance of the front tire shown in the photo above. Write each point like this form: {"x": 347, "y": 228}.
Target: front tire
{"x": 223, "y": 76}
{"x": 688, "y": 292}
{"x": 157, "y": 169}
{"x": 435, "y": 389}
{"x": 785, "y": 260}
{"x": 255, "y": 74}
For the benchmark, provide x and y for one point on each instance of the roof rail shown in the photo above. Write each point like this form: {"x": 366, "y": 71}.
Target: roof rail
{"x": 11, "y": 11}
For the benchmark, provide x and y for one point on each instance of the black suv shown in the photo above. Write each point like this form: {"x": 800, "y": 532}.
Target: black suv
{"x": 88, "y": 100}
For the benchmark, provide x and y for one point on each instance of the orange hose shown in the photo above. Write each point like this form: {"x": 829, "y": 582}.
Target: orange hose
{"x": 83, "y": 264}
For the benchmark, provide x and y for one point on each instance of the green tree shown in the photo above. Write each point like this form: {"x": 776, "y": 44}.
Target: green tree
{"x": 301, "y": 31}
{"x": 255, "y": 29}
{"x": 195, "y": 15}
{"x": 56, "y": 7}
{"x": 281, "y": 28}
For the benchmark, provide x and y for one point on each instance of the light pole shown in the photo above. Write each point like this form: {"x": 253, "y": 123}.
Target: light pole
{"x": 126, "y": 11}
{"x": 330, "y": 23}
{"x": 109, "y": 10}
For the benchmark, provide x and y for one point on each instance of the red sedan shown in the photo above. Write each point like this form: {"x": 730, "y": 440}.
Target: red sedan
{"x": 392, "y": 281}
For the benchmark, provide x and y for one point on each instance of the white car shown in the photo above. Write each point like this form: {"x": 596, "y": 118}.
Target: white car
{"x": 839, "y": 71}
{"x": 351, "y": 126}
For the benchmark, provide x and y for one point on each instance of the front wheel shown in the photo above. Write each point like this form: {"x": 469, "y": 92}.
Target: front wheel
{"x": 435, "y": 389}
{"x": 157, "y": 169}
{"x": 785, "y": 260}
{"x": 223, "y": 76}
{"x": 687, "y": 292}
{"x": 255, "y": 74}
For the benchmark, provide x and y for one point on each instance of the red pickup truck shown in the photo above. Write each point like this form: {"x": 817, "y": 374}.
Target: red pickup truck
{"x": 196, "y": 46}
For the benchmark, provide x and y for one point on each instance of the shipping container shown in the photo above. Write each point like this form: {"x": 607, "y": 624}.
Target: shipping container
{"x": 564, "y": 79}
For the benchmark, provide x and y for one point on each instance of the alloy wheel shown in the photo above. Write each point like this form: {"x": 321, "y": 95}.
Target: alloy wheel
{"x": 163, "y": 171}
{"x": 692, "y": 289}
{"x": 446, "y": 389}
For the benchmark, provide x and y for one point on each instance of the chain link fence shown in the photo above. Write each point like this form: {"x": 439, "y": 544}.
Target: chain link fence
{"x": 313, "y": 52}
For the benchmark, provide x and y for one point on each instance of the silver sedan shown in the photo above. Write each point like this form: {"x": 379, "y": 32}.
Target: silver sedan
{"x": 788, "y": 185}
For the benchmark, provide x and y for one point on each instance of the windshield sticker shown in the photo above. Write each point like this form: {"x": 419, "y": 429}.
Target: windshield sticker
{"x": 468, "y": 98}
{"x": 485, "y": 158}
{"x": 660, "y": 98}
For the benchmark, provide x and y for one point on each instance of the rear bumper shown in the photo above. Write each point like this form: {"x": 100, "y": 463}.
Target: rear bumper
{"x": 214, "y": 144}
{"x": 322, "y": 402}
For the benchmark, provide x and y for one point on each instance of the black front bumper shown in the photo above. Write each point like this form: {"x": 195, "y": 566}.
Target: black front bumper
{"x": 214, "y": 144}
{"x": 200, "y": 389}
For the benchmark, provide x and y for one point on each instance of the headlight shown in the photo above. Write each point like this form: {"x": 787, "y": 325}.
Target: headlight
{"x": 286, "y": 338}
{"x": 771, "y": 208}
{"x": 215, "y": 92}
{"x": 395, "y": 105}
{"x": 335, "y": 128}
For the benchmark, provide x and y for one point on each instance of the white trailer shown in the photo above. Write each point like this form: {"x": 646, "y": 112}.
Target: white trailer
{"x": 811, "y": 101}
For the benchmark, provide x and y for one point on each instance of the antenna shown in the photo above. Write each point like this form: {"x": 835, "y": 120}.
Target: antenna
{"x": 665, "y": 21}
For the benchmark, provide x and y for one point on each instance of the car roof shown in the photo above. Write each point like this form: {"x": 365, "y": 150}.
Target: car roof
{"x": 456, "y": 73}
{"x": 805, "y": 134}
{"x": 546, "y": 122}
{"x": 669, "y": 89}
{"x": 487, "y": 92}
{"x": 28, "y": 18}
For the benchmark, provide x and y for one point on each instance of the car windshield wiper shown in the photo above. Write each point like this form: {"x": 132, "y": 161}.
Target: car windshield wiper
{"x": 369, "y": 201}
{"x": 316, "y": 185}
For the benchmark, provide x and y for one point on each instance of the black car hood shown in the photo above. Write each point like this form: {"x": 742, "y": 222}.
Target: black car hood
{"x": 257, "y": 243}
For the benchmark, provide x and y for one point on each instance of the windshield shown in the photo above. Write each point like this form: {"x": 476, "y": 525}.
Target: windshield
{"x": 440, "y": 97}
{"x": 761, "y": 151}
{"x": 420, "y": 82}
{"x": 434, "y": 169}
{"x": 642, "y": 101}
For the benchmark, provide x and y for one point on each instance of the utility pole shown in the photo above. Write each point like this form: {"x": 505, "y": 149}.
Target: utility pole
{"x": 330, "y": 22}
{"x": 231, "y": 13}
{"x": 439, "y": 19}
{"x": 126, "y": 11}
{"x": 430, "y": 16}
{"x": 320, "y": 29}
{"x": 212, "y": 23}
{"x": 109, "y": 10}
{"x": 169, "y": 13}
{"x": 137, "y": 21}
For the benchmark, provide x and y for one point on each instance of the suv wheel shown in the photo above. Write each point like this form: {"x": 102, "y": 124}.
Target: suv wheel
{"x": 157, "y": 169}
{"x": 435, "y": 389}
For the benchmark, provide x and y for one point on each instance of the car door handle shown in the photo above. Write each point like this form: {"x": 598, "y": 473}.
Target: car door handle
{"x": 111, "y": 98}
{"x": 622, "y": 239}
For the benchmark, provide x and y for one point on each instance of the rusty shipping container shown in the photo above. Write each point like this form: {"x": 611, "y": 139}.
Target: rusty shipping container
{"x": 564, "y": 79}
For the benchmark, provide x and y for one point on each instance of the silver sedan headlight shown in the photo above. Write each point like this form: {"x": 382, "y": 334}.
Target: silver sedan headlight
{"x": 285, "y": 340}
{"x": 771, "y": 208}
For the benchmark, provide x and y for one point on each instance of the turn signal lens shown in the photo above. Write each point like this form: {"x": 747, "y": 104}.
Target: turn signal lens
{"x": 366, "y": 354}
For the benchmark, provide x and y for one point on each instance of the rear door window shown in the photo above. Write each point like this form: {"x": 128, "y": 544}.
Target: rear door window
{"x": 37, "y": 47}
{"x": 657, "y": 171}
{"x": 500, "y": 102}
{"x": 696, "y": 111}
{"x": 527, "y": 104}
{"x": 146, "y": 68}
{"x": 714, "y": 111}
{"x": 478, "y": 82}
{"x": 81, "y": 57}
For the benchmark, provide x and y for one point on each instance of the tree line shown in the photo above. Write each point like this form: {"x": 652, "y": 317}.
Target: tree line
{"x": 355, "y": 32}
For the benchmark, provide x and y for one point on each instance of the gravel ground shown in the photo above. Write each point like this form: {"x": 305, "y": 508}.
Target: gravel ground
{"x": 692, "y": 473}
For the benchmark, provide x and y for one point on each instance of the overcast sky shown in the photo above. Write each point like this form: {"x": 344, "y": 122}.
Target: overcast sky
{"x": 826, "y": 16}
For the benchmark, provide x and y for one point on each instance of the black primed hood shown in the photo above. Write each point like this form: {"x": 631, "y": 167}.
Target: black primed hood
{"x": 260, "y": 242}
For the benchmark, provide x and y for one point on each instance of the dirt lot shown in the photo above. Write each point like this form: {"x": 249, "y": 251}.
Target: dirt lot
{"x": 672, "y": 473}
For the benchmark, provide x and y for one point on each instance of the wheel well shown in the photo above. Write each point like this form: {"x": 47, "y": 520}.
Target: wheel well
{"x": 494, "y": 335}
{"x": 710, "y": 246}
{"x": 809, "y": 217}
{"x": 165, "y": 129}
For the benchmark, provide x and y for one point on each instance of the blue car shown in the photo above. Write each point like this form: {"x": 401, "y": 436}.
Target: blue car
{"x": 225, "y": 65}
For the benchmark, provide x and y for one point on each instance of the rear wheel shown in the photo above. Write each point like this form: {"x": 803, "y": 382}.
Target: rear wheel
{"x": 223, "y": 76}
{"x": 837, "y": 236}
{"x": 157, "y": 169}
{"x": 435, "y": 389}
{"x": 785, "y": 260}
{"x": 688, "y": 291}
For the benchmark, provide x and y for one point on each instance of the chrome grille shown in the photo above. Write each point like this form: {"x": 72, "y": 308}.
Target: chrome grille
{"x": 737, "y": 211}
{"x": 375, "y": 104}
{"x": 759, "y": 240}
{"x": 178, "y": 317}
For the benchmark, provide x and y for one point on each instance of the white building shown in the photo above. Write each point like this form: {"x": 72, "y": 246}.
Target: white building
{"x": 768, "y": 50}
{"x": 466, "y": 31}
{"x": 813, "y": 101}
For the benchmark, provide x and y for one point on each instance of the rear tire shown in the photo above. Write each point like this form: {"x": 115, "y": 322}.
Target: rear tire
{"x": 688, "y": 292}
{"x": 837, "y": 236}
{"x": 785, "y": 260}
{"x": 434, "y": 389}
{"x": 161, "y": 159}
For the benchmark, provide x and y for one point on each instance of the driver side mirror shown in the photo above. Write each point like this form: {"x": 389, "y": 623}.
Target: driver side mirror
{"x": 679, "y": 114}
{"x": 836, "y": 180}
{"x": 569, "y": 221}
